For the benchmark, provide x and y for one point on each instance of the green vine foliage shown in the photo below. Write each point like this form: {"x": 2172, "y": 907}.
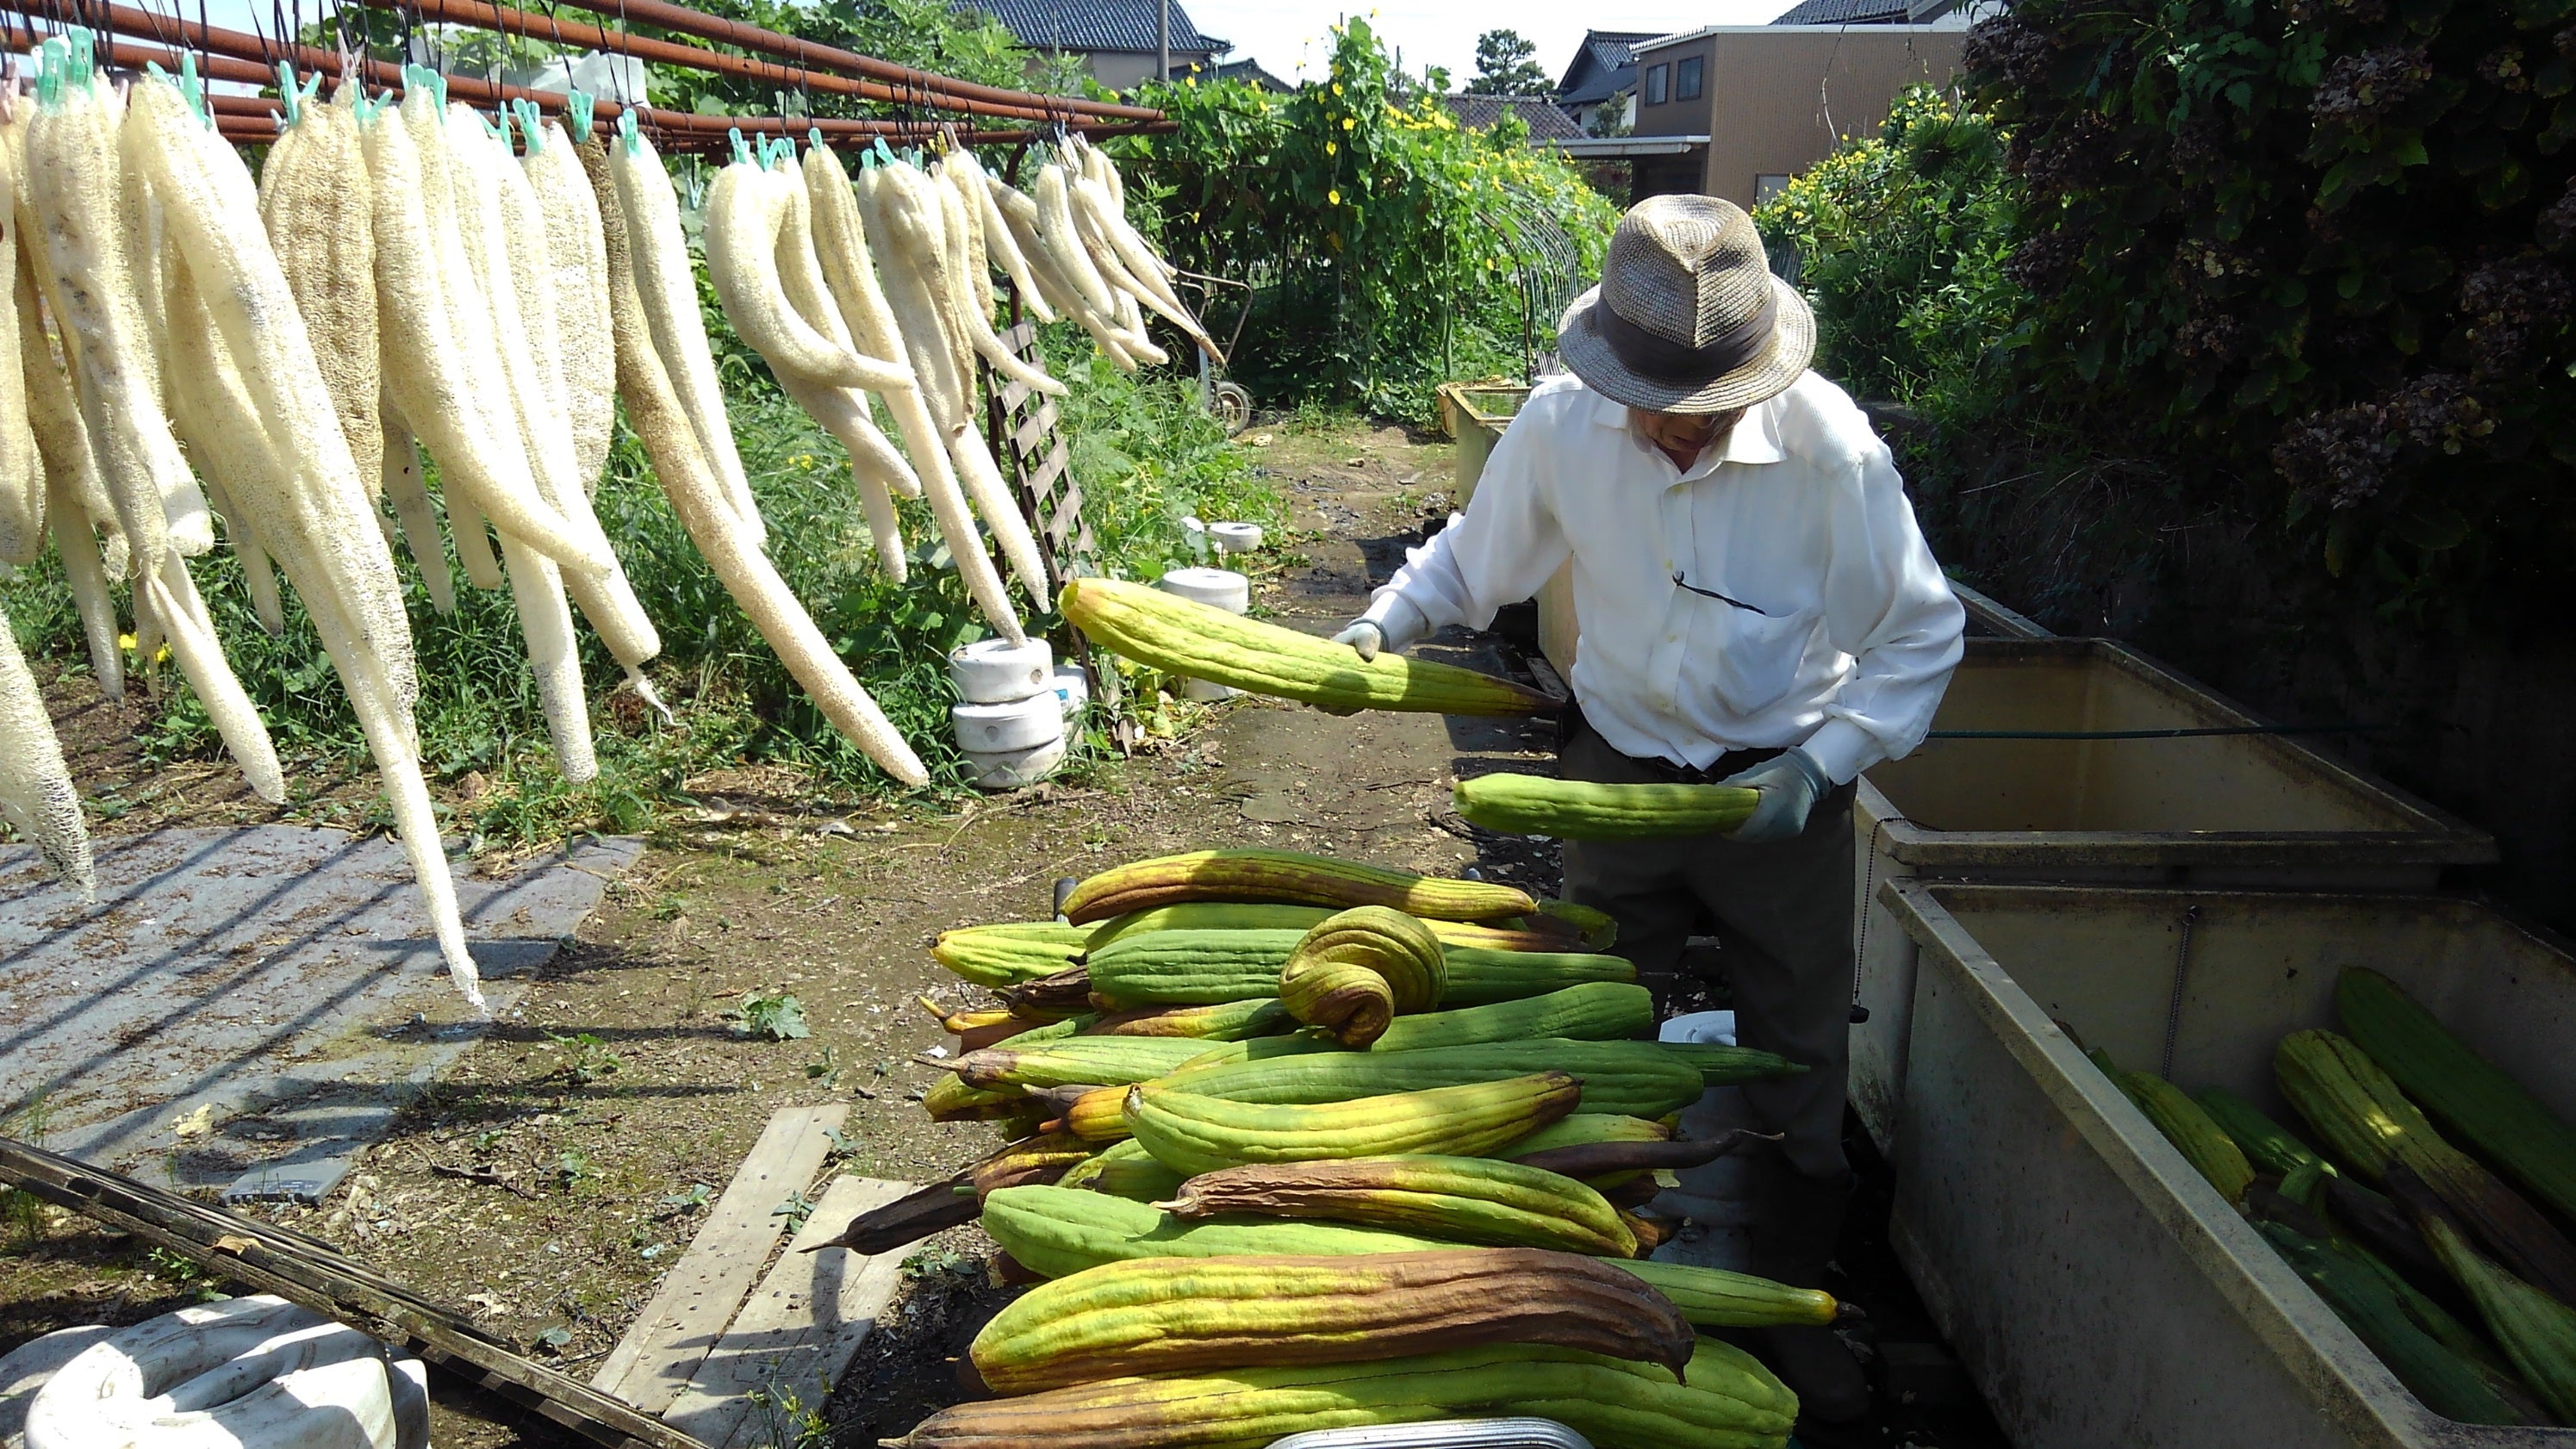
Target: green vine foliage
{"x": 1900, "y": 241}
{"x": 2316, "y": 254}
{"x": 1371, "y": 224}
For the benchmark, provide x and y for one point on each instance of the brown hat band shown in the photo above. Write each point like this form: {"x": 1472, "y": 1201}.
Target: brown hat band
{"x": 1667, "y": 361}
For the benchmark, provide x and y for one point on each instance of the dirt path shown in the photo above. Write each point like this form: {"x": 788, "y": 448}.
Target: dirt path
{"x": 551, "y": 1179}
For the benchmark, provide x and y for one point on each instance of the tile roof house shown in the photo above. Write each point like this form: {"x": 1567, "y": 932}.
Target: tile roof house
{"x": 1863, "y": 12}
{"x": 1115, "y": 38}
{"x": 1540, "y": 113}
{"x": 1604, "y": 69}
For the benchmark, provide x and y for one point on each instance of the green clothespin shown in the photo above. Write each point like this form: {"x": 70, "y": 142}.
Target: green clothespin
{"x": 626, "y": 131}
{"x": 741, "y": 151}
{"x": 814, "y": 138}
{"x": 532, "y": 124}
{"x": 194, "y": 89}
{"x": 577, "y": 114}
{"x": 431, "y": 81}
{"x": 83, "y": 68}
{"x": 49, "y": 73}
{"x": 288, "y": 92}
{"x": 884, "y": 154}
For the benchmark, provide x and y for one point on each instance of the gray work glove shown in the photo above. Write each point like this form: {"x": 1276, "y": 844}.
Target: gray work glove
{"x": 1364, "y": 638}
{"x": 1791, "y": 782}
{"x": 1401, "y": 631}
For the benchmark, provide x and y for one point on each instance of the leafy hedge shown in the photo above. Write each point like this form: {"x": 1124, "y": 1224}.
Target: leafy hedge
{"x": 1900, "y": 241}
{"x": 2315, "y": 253}
{"x": 1382, "y": 236}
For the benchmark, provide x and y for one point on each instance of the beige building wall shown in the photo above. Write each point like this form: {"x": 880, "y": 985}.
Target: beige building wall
{"x": 1776, "y": 99}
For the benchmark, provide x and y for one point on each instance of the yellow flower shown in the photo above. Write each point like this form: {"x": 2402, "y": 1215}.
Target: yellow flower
{"x": 125, "y": 642}
{"x": 1191, "y": 81}
{"x": 1332, "y": 148}
{"x": 1349, "y": 122}
{"x": 1337, "y": 88}
{"x": 1334, "y": 196}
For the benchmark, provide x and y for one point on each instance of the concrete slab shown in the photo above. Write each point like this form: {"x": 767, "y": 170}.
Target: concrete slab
{"x": 241, "y": 1009}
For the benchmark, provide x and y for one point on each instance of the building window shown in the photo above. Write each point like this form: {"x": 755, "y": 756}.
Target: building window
{"x": 1657, "y": 78}
{"x": 1686, "y": 77}
{"x": 1767, "y": 186}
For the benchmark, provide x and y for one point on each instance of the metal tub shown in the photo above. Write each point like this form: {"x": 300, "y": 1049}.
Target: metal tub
{"x": 2098, "y": 1288}
{"x": 2251, "y": 810}
{"x": 1476, "y": 413}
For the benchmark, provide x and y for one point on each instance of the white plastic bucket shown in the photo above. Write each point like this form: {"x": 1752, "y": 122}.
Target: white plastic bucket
{"x": 1072, "y": 691}
{"x": 1018, "y": 724}
{"x": 995, "y": 671}
{"x": 1217, "y": 588}
{"x": 1221, "y": 588}
{"x": 1234, "y": 537}
{"x": 1012, "y": 769}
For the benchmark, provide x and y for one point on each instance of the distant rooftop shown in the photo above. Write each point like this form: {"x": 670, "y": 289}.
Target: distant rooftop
{"x": 1090, "y": 25}
{"x": 1603, "y": 65}
{"x": 1251, "y": 73}
{"x": 1540, "y": 113}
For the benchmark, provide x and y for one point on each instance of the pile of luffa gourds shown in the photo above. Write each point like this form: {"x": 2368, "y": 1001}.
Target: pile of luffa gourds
{"x": 192, "y": 347}
{"x": 1302, "y": 1143}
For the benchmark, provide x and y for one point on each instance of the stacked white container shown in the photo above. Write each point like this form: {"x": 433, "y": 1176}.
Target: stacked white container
{"x": 1234, "y": 537}
{"x": 1011, "y": 723}
{"x": 1219, "y": 588}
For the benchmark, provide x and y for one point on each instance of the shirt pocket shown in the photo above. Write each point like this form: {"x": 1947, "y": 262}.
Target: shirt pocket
{"x": 1758, "y": 660}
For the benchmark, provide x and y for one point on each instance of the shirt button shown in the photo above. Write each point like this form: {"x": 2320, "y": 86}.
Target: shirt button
{"x": 1672, "y": 638}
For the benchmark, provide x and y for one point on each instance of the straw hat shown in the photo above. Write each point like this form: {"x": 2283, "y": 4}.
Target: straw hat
{"x": 1688, "y": 318}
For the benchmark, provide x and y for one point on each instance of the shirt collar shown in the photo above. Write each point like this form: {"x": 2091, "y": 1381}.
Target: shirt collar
{"x": 1756, "y": 438}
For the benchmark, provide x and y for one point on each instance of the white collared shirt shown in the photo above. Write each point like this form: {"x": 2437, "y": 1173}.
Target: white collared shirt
{"x": 1798, "y": 513}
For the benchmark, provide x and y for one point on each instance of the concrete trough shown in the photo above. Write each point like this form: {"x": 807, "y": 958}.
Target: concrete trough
{"x": 2252, "y": 811}
{"x": 2098, "y": 1289}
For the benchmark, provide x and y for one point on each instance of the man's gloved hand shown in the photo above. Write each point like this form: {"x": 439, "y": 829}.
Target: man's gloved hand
{"x": 1791, "y": 782}
{"x": 1402, "y": 628}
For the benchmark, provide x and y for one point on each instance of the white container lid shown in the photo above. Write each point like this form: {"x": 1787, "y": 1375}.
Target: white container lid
{"x": 1013, "y": 769}
{"x": 991, "y": 671}
{"x": 1222, "y": 588}
{"x": 1017, "y": 724}
{"x": 1234, "y": 537}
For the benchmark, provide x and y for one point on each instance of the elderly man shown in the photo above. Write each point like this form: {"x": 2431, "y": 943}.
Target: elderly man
{"x": 1759, "y": 609}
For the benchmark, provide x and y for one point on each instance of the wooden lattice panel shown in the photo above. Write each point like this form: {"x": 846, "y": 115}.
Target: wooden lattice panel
{"x": 1036, "y": 458}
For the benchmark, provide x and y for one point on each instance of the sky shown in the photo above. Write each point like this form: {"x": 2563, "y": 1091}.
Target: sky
{"x": 1287, "y": 36}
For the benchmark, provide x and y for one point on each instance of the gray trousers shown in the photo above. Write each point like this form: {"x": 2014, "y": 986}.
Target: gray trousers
{"x": 1782, "y": 913}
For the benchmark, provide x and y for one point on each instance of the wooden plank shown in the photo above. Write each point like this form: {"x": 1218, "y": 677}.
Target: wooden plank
{"x": 799, "y": 1330}
{"x": 314, "y": 1275}
{"x": 1016, "y": 393}
{"x": 1058, "y": 458}
{"x": 668, "y": 1341}
{"x": 1033, "y": 431}
{"x": 1020, "y": 336}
